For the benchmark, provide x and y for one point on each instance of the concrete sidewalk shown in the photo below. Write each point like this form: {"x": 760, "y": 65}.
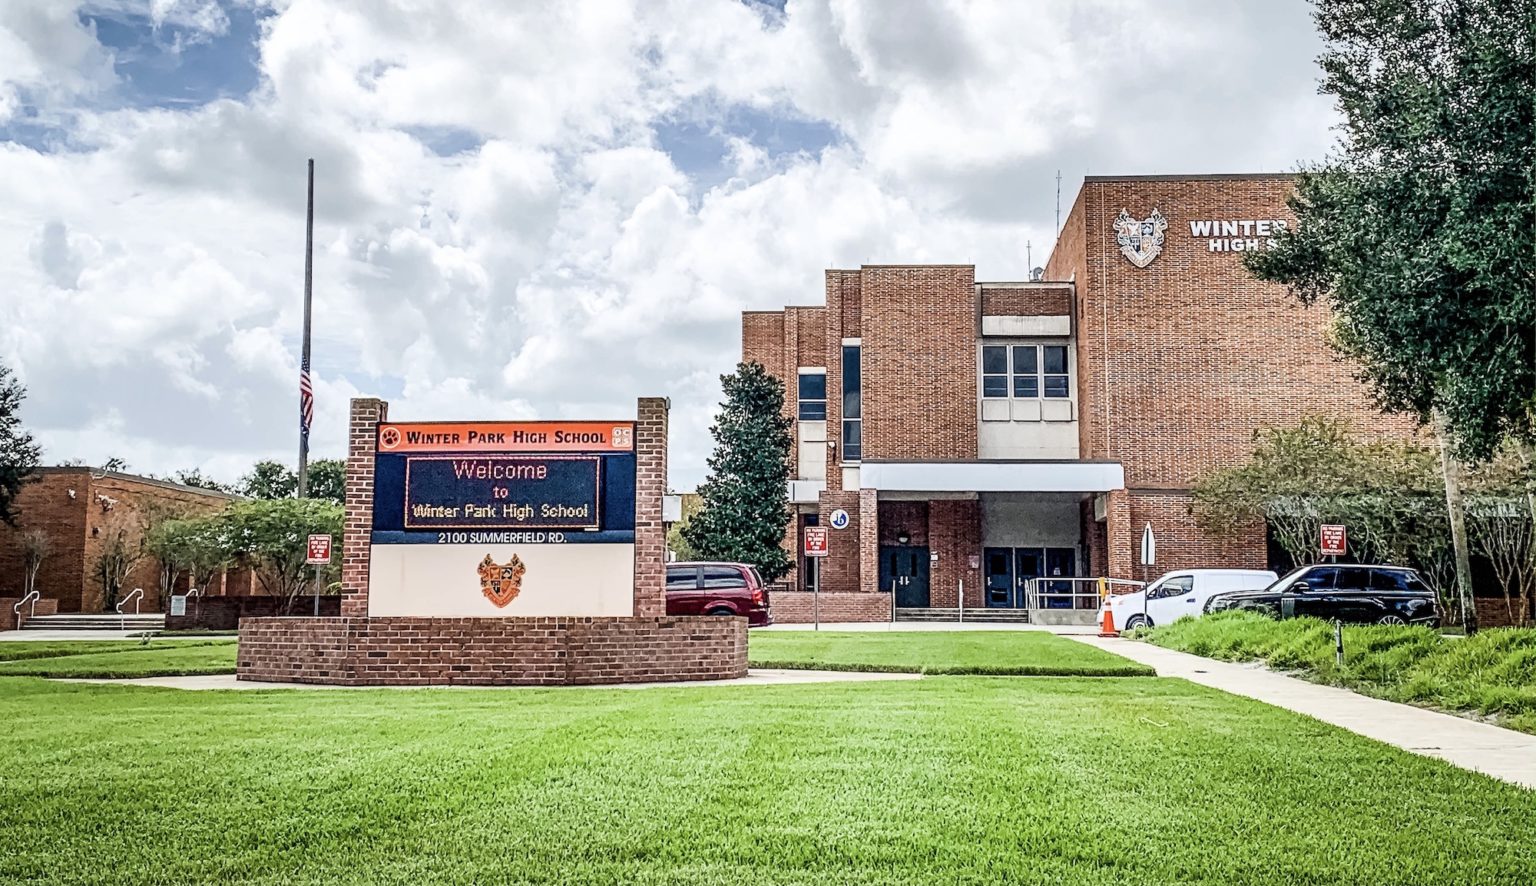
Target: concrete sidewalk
{"x": 1491, "y": 750}
{"x": 906, "y": 626}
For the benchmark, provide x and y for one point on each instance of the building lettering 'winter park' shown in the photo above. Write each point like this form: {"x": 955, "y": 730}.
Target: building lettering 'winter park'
{"x": 1010, "y": 440}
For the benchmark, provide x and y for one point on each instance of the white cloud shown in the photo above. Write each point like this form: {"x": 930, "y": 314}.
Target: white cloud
{"x": 558, "y": 261}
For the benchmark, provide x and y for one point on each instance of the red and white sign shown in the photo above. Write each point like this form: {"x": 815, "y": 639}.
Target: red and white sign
{"x": 319, "y": 550}
{"x": 815, "y": 541}
{"x": 1333, "y": 541}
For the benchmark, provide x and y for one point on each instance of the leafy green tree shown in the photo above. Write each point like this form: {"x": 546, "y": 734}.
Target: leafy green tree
{"x": 18, "y": 454}
{"x": 746, "y": 498}
{"x": 195, "y": 477}
{"x": 328, "y": 480}
{"x": 270, "y": 479}
{"x": 272, "y": 535}
{"x": 1417, "y": 231}
{"x": 120, "y": 548}
{"x": 197, "y": 546}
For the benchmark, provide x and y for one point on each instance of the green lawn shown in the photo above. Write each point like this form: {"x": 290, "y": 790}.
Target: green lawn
{"x": 1492, "y": 673}
{"x": 945, "y": 780}
{"x": 932, "y": 652}
{"x": 156, "y": 660}
{"x": 937, "y": 652}
{"x": 17, "y": 650}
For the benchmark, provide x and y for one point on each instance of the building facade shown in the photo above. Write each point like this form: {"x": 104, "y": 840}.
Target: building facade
{"x": 81, "y": 511}
{"x": 1006, "y": 444}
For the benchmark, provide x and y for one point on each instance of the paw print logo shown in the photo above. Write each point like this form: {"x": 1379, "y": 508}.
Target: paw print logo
{"x": 389, "y": 438}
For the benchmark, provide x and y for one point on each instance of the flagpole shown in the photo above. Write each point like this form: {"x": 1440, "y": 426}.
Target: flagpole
{"x": 306, "y": 392}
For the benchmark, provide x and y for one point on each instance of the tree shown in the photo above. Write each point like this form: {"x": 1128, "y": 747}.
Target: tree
{"x": 269, "y": 480}
{"x": 122, "y": 546}
{"x": 197, "y": 546}
{"x": 273, "y": 537}
{"x": 18, "y": 454}
{"x": 746, "y": 498}
{"x": 35, "y": 548}
{"x": 194, "y": 477}
{"x": 328, "y": 480}
{"x": 1417, "y": 231}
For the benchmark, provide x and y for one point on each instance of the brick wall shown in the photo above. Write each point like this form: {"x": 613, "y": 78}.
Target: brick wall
{"x": 840, "y": 568}
{"x": 8, "y": 615}
{"x": 351, "y": 651}
{"x": 1492, "y": 612}
{"x": 796, "y": 607}
{"x": 225, "y": 613}
{"x": 79, "y": 528}
{"x": 650, "y": 486}
{"x": 1035, "y": 301}
{"x": 1183, "y": 545}
{"x": 844, "y": 296}
{"x": 357, "y": 528}
{"x": 954, "y": 533}
{"x": 919, "y": 362}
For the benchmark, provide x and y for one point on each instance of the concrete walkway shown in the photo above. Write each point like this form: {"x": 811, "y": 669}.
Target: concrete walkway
{"x": 1491, "y": 750}
{"x": 33, "y": 636}
{"x": 906, "y": 626}
{"x": 754, "y": 677}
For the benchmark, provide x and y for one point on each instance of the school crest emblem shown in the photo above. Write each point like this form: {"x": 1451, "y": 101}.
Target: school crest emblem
{"x": 1140, "y": 241}
{"x": 501, "y": 582}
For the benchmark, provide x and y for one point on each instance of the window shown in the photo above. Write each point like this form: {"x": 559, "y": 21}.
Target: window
{"x": 812, "y": 395}
{"x": 1320, "y": 578}
{"x": 684, "y": 578}
{"x": 1173, "y": 587}
{"x": 1353, "y": 578}
{"x": 723, "y": 577}
{"x": 853, "y": 448}
{"x": 1025, "y": 372}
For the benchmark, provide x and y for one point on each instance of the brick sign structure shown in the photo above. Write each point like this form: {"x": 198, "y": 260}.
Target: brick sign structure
{"x": 500, "y": 553}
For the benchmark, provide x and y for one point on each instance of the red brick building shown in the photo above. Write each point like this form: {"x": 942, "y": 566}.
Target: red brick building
{"x": 1014, "y": 438}
{"x": 80, "y": 509}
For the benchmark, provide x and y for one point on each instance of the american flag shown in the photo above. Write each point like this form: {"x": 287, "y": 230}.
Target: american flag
{"x": 306, "y": 399}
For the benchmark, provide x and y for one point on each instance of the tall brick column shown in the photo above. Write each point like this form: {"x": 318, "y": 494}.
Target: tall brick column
{"x": 357, "y": 530}
{"x": 869, "y": 541}
{"x": 1120, "y": 536}
{"x": 650, "y": 486}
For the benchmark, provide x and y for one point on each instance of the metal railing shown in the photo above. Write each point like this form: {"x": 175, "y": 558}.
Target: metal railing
{"x": 134, "y": 598}
{"x": 1075, "y": 593}
{"x": 31, "y": 597}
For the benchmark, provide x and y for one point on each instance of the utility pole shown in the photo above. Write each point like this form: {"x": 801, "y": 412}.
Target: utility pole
{"x": 306, "y": 390}
{"x": 1058, "y": 202}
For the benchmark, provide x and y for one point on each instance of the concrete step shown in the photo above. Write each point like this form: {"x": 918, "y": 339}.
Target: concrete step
{"x": 95, "y": 622}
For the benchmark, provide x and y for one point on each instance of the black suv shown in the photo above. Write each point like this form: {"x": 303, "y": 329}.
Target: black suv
{"x": 1386, "y": 595}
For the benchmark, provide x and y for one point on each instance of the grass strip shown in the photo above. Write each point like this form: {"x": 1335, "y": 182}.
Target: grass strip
{"x": 992, "y": 653}
{"x": 21, "y": 650}
{"x": 1492, "y": 674}
{"x": 182, "y": 659}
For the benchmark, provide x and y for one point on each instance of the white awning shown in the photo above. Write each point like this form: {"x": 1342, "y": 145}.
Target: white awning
{"x": 993, "y": 476}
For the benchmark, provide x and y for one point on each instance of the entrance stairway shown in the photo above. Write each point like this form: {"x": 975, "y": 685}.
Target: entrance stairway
{"x": 980, "y": 616}
{"x": 105, "y": 621}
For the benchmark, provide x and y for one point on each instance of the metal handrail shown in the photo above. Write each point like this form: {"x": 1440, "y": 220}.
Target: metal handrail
{"x": 134, "y": 598}
{"x": 32, "y": 597}
{"x": 1080, "y": 593}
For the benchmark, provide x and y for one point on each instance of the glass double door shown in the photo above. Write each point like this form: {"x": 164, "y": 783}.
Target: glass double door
{"x": 1009, "y": 571}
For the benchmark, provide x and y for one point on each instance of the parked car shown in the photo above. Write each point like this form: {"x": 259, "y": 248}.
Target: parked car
{"x": 1180, "y": 593}
{"x": 1363, "y": 594}
{"x": 717, "y": 589}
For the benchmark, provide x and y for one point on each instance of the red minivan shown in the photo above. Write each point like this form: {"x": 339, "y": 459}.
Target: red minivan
{"x": 717, "y": 589}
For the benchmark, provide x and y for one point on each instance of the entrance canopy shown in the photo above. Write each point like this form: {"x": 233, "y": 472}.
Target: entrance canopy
{"x": 992, "y": 476}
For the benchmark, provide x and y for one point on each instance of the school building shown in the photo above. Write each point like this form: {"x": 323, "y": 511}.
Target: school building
{"x": 1009, "y": 441}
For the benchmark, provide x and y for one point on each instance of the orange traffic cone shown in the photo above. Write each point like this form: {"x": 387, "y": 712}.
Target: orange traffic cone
{"x": 1107, "y": 629}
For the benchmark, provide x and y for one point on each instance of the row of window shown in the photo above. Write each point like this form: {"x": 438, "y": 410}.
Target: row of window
{"x": 812, "y": 399}
{"x": 1017, "y": 371}
{"x": 1025, "y": 371}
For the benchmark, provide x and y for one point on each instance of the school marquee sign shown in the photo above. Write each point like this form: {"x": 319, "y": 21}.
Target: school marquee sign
{"x": 503, "y": 518}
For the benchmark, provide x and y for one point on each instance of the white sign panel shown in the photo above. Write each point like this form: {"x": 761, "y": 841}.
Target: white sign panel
{"x": 178, "y": 605}
{"x": 472, "y": 580}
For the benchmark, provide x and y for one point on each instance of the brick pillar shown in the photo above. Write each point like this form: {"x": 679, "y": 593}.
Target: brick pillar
{"x": 357, "y": 530}
{"x": 650, "y": 486}
{"x": 1119, "y": 536}
{"x": 869, "y": 541}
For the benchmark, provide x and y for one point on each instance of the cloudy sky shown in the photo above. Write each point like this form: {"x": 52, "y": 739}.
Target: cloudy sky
{"x": 545, "y": 210}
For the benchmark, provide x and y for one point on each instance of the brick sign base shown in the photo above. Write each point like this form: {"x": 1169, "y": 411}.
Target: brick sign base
{"x": 491, "y": 651}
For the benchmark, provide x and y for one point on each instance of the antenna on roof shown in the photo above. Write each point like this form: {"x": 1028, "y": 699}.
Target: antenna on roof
{"x": 1058, "y": 202}
{"x": 1029, "y": 254}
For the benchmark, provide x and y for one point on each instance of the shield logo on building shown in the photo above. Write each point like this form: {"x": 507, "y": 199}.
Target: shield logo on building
{"x": 501, "y": 582}
{"x": 1140, "y": 241}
